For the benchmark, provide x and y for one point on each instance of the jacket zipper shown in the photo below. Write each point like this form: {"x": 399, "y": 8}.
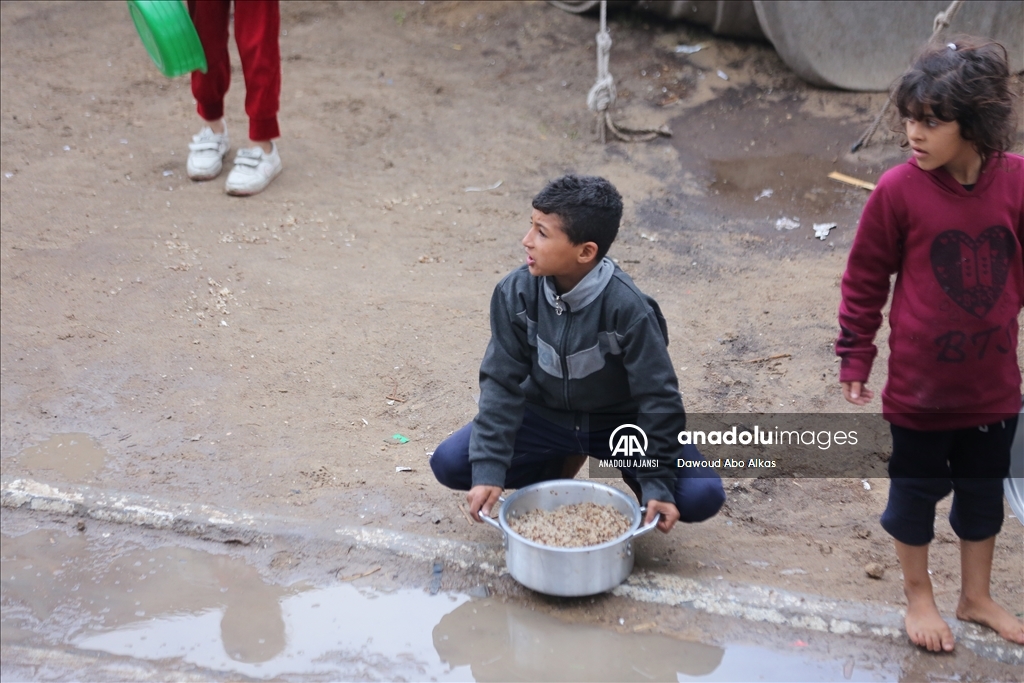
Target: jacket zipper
{"x": 562, "y": 349}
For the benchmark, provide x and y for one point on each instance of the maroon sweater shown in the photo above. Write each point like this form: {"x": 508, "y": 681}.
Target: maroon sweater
{"x": 959, "y": 288}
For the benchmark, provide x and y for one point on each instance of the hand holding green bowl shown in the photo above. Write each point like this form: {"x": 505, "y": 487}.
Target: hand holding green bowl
{"x": 168, "y": 36}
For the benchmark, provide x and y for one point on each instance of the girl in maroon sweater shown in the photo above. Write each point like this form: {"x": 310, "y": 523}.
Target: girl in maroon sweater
{"x": 950, "y": 224}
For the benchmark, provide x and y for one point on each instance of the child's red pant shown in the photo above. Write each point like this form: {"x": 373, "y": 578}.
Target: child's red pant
{"x": 257, "y": 25}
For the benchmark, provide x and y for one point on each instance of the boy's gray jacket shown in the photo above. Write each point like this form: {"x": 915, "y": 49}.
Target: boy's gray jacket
{"x": 599, "y": 350}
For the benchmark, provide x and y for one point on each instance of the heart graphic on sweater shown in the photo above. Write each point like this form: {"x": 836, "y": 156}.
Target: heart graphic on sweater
{"x": 973, "y": 272}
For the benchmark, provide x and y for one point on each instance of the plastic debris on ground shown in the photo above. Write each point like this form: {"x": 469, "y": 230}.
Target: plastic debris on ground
{"x": 435, "y": 579}
{"x": 495, "y": 186}
{"x": 688, "y": 49}
{"x": 480, "y": 591}
{"x": 765, "y": 194}
{"x": 722, "y": 75}
{"x": 787, "y": 223}
{"x": 399, "y": 438}
{"x": 821, "y": 230}
{"x": 403, "y": 469}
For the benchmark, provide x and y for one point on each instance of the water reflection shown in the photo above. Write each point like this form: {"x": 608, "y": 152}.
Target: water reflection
{"x": 68, "y": 587}
{"x": 187, "y": 606}
{"x": 183, "y": 606}
{"x": 502, "y": 642}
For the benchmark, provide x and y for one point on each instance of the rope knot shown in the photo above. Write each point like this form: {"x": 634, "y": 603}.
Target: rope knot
{"x": 602, "y": 94}
{"x": 945, "y": 18}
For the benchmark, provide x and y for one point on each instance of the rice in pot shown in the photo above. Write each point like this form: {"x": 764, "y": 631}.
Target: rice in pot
{"x": 571, "y": 526}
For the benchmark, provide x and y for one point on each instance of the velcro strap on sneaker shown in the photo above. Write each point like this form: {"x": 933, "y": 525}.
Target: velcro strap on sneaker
{"x": 247, "y": 160}
{"x": 249, "y": 157}
{"x": 203, "y": 146}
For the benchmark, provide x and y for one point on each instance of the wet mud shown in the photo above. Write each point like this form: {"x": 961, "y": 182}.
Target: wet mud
{"x": 199, "y": 607}
{"x": 72, "y": 458}
{"x": 762, "y": 156}
{"x": 215, "y": 612}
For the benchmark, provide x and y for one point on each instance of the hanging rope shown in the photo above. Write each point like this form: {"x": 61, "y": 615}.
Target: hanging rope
{"x": 602, "y": 95}
{"x": 574, "y": 6}
{"x": 939, "y": 24}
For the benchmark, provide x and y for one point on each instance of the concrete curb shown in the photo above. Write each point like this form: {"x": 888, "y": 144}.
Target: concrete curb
{"x": 203, "y": 521}
{"x": 801, "y": 610}
{"x": 753, "y": 603}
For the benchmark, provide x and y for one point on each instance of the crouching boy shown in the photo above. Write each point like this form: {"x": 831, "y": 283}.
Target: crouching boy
{"x": 574, "y": 348}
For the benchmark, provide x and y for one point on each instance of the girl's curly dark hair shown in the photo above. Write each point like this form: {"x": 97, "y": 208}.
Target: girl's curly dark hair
{"x": 966, "y": 80}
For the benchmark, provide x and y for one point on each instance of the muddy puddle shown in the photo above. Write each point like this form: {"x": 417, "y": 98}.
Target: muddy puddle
{"x": 70, "y": 457}
{"x": 762, "y": 159}
{"x": 186, "y": 608}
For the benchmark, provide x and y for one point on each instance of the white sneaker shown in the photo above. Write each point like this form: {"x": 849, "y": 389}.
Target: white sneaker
{"x": 206, "y": 154}
{"x": 253, "y": 171}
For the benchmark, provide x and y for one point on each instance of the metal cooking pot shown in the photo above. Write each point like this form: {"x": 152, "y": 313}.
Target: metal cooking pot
{"x": 568, "y": 572}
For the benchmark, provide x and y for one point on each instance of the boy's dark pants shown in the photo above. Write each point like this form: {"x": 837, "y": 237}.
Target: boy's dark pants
{"x": 926, "y": 466}
{"x": 540, "y": 449}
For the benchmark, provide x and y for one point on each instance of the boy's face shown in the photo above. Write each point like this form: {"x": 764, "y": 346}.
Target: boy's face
{"x": 548, "y": 249}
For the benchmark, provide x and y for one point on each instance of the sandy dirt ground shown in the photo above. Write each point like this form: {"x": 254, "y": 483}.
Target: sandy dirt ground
{"x": 261, "y": 353}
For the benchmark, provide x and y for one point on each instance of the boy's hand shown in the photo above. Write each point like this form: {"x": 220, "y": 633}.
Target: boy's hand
{"x": 481, "y": 499}
{"x": 669, "y": 515}
{"x": 856, "y": 393}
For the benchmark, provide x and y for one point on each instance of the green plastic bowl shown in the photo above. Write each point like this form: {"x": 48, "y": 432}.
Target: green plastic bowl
{"x": 168, "y": 36}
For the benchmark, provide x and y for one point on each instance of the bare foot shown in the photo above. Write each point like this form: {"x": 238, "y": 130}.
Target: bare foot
{"x": 927, "y": 628}
{"x": 988, "y": 613}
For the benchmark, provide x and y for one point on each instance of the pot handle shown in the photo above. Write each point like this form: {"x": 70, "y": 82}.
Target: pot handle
{"x": 493, "y": 522}
{"x": 647, "y": 527}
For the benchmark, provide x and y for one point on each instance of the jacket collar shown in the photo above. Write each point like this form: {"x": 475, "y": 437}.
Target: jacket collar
{"x": 588, "y": 289}
{"x": 943, "y": 177}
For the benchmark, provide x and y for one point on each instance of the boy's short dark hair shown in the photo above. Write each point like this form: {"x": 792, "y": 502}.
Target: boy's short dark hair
{"x": 589, "y": 207}
{"x": 963, "y": 79}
